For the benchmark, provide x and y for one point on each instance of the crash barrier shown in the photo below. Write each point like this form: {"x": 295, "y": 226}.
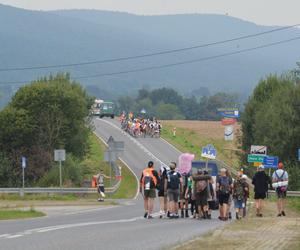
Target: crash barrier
{"x": 54, "y": 190}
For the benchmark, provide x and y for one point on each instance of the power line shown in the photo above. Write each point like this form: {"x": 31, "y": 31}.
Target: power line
{"x": 175, "y": 64}
{"x": 148, "y": 55}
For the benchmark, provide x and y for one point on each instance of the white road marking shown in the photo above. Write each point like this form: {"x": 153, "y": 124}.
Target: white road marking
{"x": 4, "y": 235}
{"x": 14, "y": 236}
{"x": 67, "y": 226}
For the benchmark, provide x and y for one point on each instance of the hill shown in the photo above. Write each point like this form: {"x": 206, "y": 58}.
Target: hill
{"x": 61, "y": 37}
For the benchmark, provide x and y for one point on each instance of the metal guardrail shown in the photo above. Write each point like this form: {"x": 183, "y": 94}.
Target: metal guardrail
{"x": 289, "y": 193}
{"x": 53, "y": 190}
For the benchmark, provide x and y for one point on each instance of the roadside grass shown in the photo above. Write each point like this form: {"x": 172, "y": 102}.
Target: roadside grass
{"x": 39, "y": 197}
{"x": 187, "y": 140}
{"x": 94, "y": 160}
{"x": 294, "y": 204}
{"x": 19, "y": 214}
{"x": 128, "y": 187}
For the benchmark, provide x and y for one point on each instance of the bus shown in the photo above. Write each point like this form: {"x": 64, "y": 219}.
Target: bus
{"x": 103, "y": 109}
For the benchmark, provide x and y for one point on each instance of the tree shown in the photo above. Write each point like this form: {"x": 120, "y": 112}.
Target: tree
{"x": 166, "y": 111}
{"x": 272, "y": 118}
{"x": 50, "y": 113}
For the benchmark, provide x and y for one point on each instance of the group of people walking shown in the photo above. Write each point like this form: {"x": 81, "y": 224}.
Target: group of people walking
{"x": 200, "y": 193}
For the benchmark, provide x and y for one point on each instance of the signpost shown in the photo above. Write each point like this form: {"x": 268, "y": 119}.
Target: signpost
{"x": 115, "y": 150}
{"x": 228, "y": 133}
{"x": 228, "y": 121}
{"x": 258, "y": 150}
{"x": 229, "y": 112}
{"x": 209, "y": 152}
{"x": 60, "y": 155}
{"x": 24, "y": 164}
{"x": 256, "y": 158}
{"x": 270, "y": 161}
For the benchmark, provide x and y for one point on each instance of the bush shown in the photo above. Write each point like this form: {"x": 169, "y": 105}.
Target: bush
{"x": 72, "y": 174}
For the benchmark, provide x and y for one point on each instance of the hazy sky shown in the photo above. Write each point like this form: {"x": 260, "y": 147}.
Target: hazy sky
{"x": 274, "y": 12}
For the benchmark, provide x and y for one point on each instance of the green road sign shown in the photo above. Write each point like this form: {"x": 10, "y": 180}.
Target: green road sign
{"x": 256, "y": 158}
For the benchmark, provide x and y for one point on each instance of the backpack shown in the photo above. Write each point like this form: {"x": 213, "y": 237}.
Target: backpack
{"x": 224, "y": 185}
{"x": 239, "y": 190}
{"x": 173, "y": 180}
{"x": 282, "y": 188}
{"x": 201, "y": 186}
{"x": 148, "y": 178}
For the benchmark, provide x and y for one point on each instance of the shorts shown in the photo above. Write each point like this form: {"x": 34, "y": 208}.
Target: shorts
{"x": 151, "y": 193}
{"x": 101, "y": 189}
{"x": 238, "y": 204}
{"x": 223, "y": 199}
{"x": 258, "y": 196}
{"x": 173, "y": 195}
{"x": 201, "y": 199}
{"x": 211, "y": 205}
{"x": 280, "y": 194}
{"x": 161, "y": 193}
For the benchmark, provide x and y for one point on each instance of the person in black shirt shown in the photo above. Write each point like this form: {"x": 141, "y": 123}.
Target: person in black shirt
{"x": 260, "y": 181}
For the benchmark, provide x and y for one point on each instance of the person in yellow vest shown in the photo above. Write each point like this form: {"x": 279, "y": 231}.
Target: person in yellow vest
{"x": 148, "y": 183}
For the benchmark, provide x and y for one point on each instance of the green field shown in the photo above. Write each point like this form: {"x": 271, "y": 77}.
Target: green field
{"x": 19, "y": 214}
{"x": 187, "y": 140}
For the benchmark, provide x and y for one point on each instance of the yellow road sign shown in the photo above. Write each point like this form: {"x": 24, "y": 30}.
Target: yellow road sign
{"x": 256, "y": 164}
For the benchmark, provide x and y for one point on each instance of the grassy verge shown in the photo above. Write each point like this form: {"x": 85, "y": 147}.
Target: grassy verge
{"x": 187, "y": 140}
{"x": 19, "y": 214}
{"x": 94, "y": 160}
{"x": 128, "y": 185}
{"x": 294, "y": 204}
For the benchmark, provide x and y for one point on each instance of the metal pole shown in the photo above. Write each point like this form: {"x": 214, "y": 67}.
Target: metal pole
{"x": 206, "y": 165}
{"x": 60, "y": 177}
{"x": 23, "y": 176}
{"x": 110, "y": 164}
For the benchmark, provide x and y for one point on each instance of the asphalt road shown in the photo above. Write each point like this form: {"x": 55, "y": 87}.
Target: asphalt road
{"x": 119, "y": 227}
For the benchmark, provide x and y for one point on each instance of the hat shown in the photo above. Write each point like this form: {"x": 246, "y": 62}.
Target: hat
{"x": 223, "y": 170}
{"x": 261, "y": 167}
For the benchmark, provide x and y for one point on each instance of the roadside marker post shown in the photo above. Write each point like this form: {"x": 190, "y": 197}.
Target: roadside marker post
{"x": 60, "y": 155}
{"x": 23, "y": 165}
{"x": 208, "y": 152}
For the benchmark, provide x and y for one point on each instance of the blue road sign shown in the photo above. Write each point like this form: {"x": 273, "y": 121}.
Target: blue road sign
{"x": 299, "y": 154}
{"x": 209, "y": 151}
{"x": 23, "y": 162}
{"x": 270, "y": 161}
{"x": 229, "y": 113}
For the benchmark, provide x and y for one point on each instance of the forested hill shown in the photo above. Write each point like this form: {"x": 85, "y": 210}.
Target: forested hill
{"x": 61, "y": 37}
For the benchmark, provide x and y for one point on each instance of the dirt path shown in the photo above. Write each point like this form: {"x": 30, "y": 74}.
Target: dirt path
{"x": 252, "y": 233}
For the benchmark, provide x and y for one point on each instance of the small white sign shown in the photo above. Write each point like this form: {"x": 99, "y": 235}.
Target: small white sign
{"x": 23, "y": 162}
{"x": 59, "y": 155}
{"x": 258, "y": 150}
{"x": 228, "y": 133}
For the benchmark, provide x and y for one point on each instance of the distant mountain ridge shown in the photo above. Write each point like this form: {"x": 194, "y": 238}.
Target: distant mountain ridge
{"x": 69, "y": 36}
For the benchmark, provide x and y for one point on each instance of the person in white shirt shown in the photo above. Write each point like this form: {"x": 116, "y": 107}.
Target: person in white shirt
{"x": 280, "y": 183}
